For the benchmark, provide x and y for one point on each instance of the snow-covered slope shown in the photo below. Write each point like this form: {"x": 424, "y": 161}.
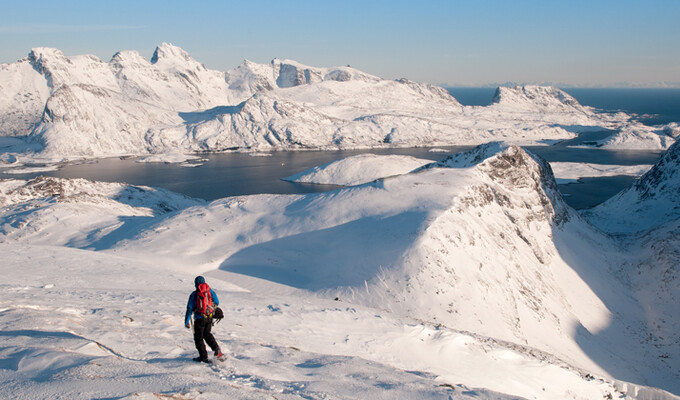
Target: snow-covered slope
{"x": 23, "y": 93}
{"x": 646, "y": 218}
{"x": 80, "y": 106}
{"x": 473, "y": 270}
{"x": 650, "y": 202}
{"x": 80, "y": 325}
{"x": 481, "y": 242}
{"x": 79, "y": 213}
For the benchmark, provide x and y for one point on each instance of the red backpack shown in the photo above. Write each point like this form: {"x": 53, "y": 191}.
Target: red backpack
{"x": 204, "y": 301}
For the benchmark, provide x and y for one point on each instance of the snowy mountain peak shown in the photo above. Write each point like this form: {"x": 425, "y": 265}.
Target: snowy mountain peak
{"x": 169, "y": 55}
{"x": 547, "y": 97}
{"x": 518, "y": 170}
{"x": 472, "y": 157}
{"x": 128, "y": 58}
{"x": 42, "y": 58}
{"x": 38, "y": 54}
{"x": 663, "y": 180}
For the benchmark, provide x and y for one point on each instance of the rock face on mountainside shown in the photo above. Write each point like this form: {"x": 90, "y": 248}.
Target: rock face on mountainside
{"x": 81, "y": 106}
{"x": 510, "y": 260}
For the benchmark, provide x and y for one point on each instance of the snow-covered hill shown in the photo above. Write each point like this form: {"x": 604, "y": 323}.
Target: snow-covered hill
{"x": 80, "y": 106}
{"x": 358, "y": 169}
{"x": 472, "y": 270}
{"x": 79, "y": 213}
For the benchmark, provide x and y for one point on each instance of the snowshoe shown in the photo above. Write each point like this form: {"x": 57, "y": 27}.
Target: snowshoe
{"x": 203, "y": 359}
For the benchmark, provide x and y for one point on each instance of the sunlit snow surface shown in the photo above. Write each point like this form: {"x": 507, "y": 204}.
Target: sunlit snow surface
{"x": 469, "y": 278}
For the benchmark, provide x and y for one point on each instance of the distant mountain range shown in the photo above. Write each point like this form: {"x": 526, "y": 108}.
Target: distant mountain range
{"x": 615, "y": 85}
{"x": 81, "y": 107}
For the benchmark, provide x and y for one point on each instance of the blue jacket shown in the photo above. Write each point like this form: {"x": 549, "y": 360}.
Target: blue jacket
{"x": 191, "y": 304}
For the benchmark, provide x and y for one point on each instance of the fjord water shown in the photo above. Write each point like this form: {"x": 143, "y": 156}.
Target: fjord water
{"x": 233, "y": 174}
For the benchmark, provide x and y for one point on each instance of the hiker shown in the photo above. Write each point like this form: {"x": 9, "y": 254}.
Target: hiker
{"x": 201, "y": 304}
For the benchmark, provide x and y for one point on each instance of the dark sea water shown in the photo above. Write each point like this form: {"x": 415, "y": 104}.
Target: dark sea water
{"x": 233, "y": 174}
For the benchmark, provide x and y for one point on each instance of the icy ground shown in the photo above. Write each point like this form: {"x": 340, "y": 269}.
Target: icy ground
{"x": 469, "y": 278}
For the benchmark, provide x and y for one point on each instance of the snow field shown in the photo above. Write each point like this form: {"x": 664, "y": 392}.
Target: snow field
{"x": 117, "y": 329}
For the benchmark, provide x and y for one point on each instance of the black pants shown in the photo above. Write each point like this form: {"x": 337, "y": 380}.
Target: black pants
{"x": 202, "y": 328}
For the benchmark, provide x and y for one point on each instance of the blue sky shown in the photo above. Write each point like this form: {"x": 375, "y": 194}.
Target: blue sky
{"x": 470, "y": 42}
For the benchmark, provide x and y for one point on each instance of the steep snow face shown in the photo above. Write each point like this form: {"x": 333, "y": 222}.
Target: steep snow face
{"x": 68, "y": 130}
{"x": 650, "y": 202}
{"x": 24, "y": 93}
{"x": 489, "y": 262}
{"x": 656, "y": 276}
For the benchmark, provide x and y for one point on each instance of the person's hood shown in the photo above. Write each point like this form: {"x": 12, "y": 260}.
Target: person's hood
{"x": 199, "y": 279}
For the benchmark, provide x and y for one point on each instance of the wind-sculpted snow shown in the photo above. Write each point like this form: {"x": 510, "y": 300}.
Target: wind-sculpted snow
{"x": 80, "y": 107}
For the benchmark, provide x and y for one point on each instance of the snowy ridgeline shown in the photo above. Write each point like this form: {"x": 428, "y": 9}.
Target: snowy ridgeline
{"x": 467, "y": 278}
{"x": 364, "y": 168}
{"x": 74, "y": 107}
